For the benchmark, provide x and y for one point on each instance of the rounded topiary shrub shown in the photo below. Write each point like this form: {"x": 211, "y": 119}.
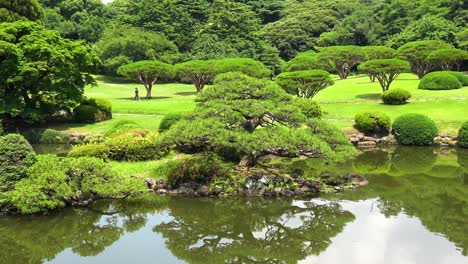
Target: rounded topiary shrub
{"x": 16, "y": 156}
{"x": 372, "y": 122}
{"x": 463, "y": 135}
{"x": 396, "y": 97}
{"x": 462, "y": 77}
{"x": 439, "y": 81}
{"x": 169, "y": 120}
{"x": 95, "y": 150}
{"x": 135, "y": 148}
{"x": 87, "y": 114}
{"x": 308, "y": 107}
{"x": 122, "y": 126}
{"x": 414, "y": 129}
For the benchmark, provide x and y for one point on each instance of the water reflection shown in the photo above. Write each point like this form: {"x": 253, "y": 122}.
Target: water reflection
{"x": 414, "y": 210}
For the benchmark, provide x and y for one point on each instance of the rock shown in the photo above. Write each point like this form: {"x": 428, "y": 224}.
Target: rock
{"x": 216, "y": 191}
{"x": 370, "y": 139}
{"x": 203, "y": 191}
{"x": 162, "y": 191}
{"x": 280, "y": 191}
{"x": 360, "y": 136}
{"x": 338, "y": 189}
{"x": 264, "y": 180}
{"x": 367, "y": 144}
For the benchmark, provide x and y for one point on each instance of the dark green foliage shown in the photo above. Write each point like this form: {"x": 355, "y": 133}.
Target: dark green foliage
{"x": 439, "y": 81}
{"x": 95, "y": 150}
{"x": 2, "y": 131}
{"x": 20, "y": 10}
{"x": 304, "y": 84}
{"x": 414, "y": 129}
{"x": 200, "y": 168}
{"x": 16, "y": 156}
{"x": 87, "y": 114}
{"x": 304, "y": 61}
{"x": 396, "y": 97}
{"x": 385, "y": 70}
{"x": 463, "y": 135}
{"x": 135, "y": 148}
{"x": 372, "y": 122}
{"x": 52, "y": 136}
{"x": 169, "y": 120}
{"x": 447, "y": 59}
{"x": 309, "y": 108}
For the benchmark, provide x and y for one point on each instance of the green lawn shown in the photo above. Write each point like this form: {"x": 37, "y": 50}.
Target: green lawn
{"x": 340, "y": 102}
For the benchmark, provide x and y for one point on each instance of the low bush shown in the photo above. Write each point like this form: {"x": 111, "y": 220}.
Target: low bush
{"x": 121, "y": 126}
{"x": 16, "y": 156}
{"x": 135, "y": 148}
{"x": 439, "y": 81}
{"x": 414, "y": 129}
{"x": 169, "y": 120}
{"x": 309, "y": 108}
{"x": 463, "y": 135}
{"x": 462, "y": 77}
{"x": 200, "y": 168}
{"x": 93, "y": 110}
{"x": 396, "y": 97}
{"x": 372, "y": 122}
{"x": 96, "y": 150}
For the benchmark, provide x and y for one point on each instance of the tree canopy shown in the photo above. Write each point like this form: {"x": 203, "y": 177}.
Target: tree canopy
{"x": 341, "y": 58}
{"x": 385, "y": 70}
{"x": 11, "y": 11}
{"x": 447, "y": 59}
{"x": 304, "y": 84}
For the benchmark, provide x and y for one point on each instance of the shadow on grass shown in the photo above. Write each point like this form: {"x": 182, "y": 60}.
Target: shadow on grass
{"x": 186, "y": 93}
{"x": 144, "y": 98}
{"x": 370, "y": 96}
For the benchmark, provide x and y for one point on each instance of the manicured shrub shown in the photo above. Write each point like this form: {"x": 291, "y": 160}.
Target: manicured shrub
{"x": 87, "y": 114}
{"x": 462, "y": 77}
{"x": 130, "y": 148}
{"x": 414, "y": 129}
{"x": 96, "y": 150}
{"x": 439, "y": 81}
{"x": 463, "y": 135}
{"x": 16, "y": 156}
{"x": 199, "y": 168}
{"x": 169, "y": 120}
{"x": 395, "y": 97}
{"x": 372, "y": 122}
{"x": 309, "y": 108}
{"x": 123, "y": 125}
{"x": 52, "y": 136}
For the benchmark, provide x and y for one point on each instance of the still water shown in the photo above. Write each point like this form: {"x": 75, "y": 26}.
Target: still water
{"x": 415, "y": 210}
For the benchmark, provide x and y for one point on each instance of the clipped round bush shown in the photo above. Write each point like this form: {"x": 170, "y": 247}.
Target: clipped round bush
{"x": 461, "y": 77}
{"x": 87, "y": 114}
{"x": 309, "y": 108}
{"x": 96, "y": 150}
{"x": 131, "y": 148}
{"x": 414, "y": 129}
{"x": 439, "y": 81}
{"x": 463, "y": 135}
{"x": 169, "y": 120}
{"x": 16, "y": 156}
{"x": 395, "y": 97}
{"x": 121, "y": 126}
{"x": 52, "y": 136}
{"x": 372, "y": 122}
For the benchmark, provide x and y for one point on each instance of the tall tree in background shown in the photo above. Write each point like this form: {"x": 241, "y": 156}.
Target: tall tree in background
{"x": 341, "y": 58}
{"x": 12, "y": 10}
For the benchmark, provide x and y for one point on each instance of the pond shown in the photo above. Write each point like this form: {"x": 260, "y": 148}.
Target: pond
{"x": 415, "y": 210}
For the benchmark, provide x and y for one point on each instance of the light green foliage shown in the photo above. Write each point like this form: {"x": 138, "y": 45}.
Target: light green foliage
{"x": 246, "y": 66}
{"x": 303, "y": 61}
{"x": 60, "y": 82}
{"x": 372, "y": 122}
{"x": 122, "y": 126}
{"x": 304, "y": 84}
{"x": 129, "y": 147}
{"x": 385, "y": 70}
{"x": 121, "y": 45}
{"x": 417, "y": 53}
{"x": 439, "y": 81}
{"x": 462, "y": 77}
{"x": 169, "y": 120}
{"x": 463, "y": 135}
{"x": 95, "y": 150}
{"x": 146, "y": 73}
{"x": 341, "y": 58}
{"x": 199, "y": 72}
{"x": 311, "y": 109}
{"x": 52, "y": 136}
{"x": 20, "y": 10}
{"x": 447, "y": 59}
{"x": 16, "y": 156}
{"x": 378, "y": 52}
{"x": 414, "y": 129}
{"x": 395, "y": 97}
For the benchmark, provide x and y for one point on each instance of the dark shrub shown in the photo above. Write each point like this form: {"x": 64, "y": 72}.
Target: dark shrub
{"x": 87, "y": 114}
{"x": 439, "y": 81}
{"x": 199, "y": 168}
{"x": 308, "y": 107}
{"x": 372, "y": 122}
{"x": 463, "y": 135}
{"x": 16, "y": 156}
{"x": 169, "y": 120}
{"x": 95, "y": 150}
{"x": 396, "y": 97}
{"x": 135, "y": 148}
{"x": 2, "y": 131}
{"x": 414, "y": 129}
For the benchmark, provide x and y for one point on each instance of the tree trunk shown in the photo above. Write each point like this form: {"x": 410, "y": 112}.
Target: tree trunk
{"x": 149, "y": 87}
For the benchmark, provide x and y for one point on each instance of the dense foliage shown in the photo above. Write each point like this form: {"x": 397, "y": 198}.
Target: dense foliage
{"x": 463, "y": 135}
{"x": 396, "y": 97}
{"x": 385, "y": 70}
{"x": 169, "y": 120}
{"x": 93, "y": 110}
{"x": 305, "y": 84}
{"x": 439, "y": 81}
{"x": 414, "y": 129}
{"x": 372, "y": 122}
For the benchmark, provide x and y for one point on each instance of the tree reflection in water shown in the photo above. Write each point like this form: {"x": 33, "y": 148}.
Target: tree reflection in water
{"x": 250, "y": 231}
